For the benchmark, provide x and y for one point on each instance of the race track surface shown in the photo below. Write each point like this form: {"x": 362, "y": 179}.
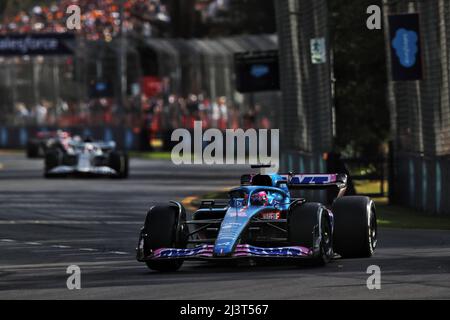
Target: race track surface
{"x": 47, "y": 225}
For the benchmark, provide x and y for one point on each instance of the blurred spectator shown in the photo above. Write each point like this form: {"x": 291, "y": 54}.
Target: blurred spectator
{"x": 173, "y": 112}
{"x": 249, "y": 119}
{"x": 21, "y": 112}
{"x": 157, "y": 114}
{"x": 40, "y": 113}
{"x": 220, "y": 113}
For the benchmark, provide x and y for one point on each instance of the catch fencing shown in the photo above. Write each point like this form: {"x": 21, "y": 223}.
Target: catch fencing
{"x": 420, "y": 112}
{"x": 306, "y": 122}
{"x": 85, "y": 88}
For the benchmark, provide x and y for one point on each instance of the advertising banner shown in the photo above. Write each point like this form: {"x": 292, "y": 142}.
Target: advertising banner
{"x": 37, "y": 44}
{"x": 404, "y": 30}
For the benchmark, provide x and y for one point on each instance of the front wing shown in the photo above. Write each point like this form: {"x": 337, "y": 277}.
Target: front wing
{"x": 205, "y": 252}
{"x": 74, "y": 170}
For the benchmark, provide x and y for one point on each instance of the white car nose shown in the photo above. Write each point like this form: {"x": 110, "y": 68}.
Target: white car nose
{"x": 84, "y": 162}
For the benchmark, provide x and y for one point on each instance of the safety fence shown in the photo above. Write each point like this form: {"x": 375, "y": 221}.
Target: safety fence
{"x": 420, "y": 112}
{"x": 306, "y": 114}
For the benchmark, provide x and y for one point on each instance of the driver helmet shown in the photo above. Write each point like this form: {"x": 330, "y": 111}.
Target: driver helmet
{"x": 260, "y": 199}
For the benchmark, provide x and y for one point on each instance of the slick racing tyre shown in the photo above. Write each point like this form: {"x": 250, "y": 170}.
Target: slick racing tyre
{"x": 355, "y": 226}
{"x": 120, "y": 163}
{"x": 53, "y": 158}
{"x": 165, "y": 228}
{"x": 307, "y": 222}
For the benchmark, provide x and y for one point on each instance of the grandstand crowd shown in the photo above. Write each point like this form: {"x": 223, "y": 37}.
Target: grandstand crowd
{"x": 158, "y": 113}
{"x": 100, "y": 19}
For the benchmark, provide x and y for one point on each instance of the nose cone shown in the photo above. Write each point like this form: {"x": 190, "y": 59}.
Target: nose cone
{"x": 234, "y": 222}
{"x": 227, "y": 238}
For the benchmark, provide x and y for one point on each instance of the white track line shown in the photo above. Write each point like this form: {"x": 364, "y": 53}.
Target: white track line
{"x": 88, "y": 249}
{"x": 33, "y": 243}
{"x": 118, "y": 252}
{"x": 60, "y": 246}
{"x": 60, "y": 264}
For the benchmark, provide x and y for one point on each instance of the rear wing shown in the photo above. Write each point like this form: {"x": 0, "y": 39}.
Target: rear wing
{"x": 313, "y": 181}
{"x": 296, "y": 181}
{"x": 335, "y": 184}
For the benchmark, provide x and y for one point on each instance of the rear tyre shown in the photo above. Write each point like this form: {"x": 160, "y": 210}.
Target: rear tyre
{"x": 355, "y": 233}
{"x": 164, "y": 228}
{"x": 53, "y": 158}
{"x": 120, "y": 163}
{"x": 307, "y": 222}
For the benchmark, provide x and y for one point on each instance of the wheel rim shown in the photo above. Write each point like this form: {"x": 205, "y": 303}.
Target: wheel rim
{"x": 326, "y": 238}
{"x": 373, "y": 230}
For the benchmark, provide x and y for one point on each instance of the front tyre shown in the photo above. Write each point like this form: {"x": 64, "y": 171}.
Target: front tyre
{"x": 308, "y": 222}
{"x": 355, "y": 233}
{"x": 120, "y": 163}
{"x": 53, "y": 159}
{"x": 164, "y": 228}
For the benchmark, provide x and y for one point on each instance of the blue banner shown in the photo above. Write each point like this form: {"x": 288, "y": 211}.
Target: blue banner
{"x": 37, "y": 44}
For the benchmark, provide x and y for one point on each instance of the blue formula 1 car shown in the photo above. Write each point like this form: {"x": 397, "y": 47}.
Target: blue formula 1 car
{"x": 262, "y": 220}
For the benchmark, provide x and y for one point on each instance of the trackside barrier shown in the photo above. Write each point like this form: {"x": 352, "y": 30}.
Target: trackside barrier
{"x": 17, "y": 137}
{"x": 126, "y": 138}
{"x": 421, "y": 183}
